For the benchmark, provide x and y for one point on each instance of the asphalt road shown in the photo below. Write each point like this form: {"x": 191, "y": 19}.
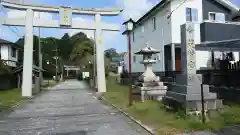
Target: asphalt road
{"x": 67, "y": 109}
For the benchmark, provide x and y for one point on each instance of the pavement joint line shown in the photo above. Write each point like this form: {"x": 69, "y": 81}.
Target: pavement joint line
{"x": 148, "y": 129}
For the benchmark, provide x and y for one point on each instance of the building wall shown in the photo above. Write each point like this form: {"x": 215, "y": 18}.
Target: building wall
{"x": 144, "y": 33}
{"x": 178, "y": 18}
{"x": 211, "y": 31}
{"x": 213, "y": 6}
{"x": 6, "y": 54}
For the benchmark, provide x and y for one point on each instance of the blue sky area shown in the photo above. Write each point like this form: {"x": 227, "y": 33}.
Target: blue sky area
{"x": 110, "y": 39}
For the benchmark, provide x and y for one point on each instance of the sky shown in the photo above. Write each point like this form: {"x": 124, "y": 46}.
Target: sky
{"x": 132, "y": 8}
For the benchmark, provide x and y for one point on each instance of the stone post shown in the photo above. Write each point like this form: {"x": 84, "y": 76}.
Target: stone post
{"x": 187, "y": 90}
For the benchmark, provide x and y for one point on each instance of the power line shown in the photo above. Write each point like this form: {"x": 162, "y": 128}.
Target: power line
{"x": 169, "y": 15}
{"x": 2, "y": 9}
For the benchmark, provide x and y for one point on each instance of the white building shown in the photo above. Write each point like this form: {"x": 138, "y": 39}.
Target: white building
{"x": 9, "y": 52}
{"x": 160, "y": 28}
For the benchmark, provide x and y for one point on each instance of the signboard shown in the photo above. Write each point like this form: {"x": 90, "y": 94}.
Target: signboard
{"x": 65, "y": 16}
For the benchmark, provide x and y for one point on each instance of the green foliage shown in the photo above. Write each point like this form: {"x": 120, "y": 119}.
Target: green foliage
{"x": 4, "y": 69}
{"x": 110, "y": 53}
{"x": 65, "y": 47}
{"x": 82, "y": 49}
{"x": 154, "y": 114}
{"x": 75, "y": 50}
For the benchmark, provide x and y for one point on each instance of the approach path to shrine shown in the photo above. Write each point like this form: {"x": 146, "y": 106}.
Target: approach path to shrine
{"x": 67, "y": 109}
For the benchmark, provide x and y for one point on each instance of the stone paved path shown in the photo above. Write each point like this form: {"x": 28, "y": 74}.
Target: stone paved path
{"x": 67, "y": 109}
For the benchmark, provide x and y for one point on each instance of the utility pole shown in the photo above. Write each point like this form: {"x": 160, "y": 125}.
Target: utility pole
{"x": 56, "y": 61}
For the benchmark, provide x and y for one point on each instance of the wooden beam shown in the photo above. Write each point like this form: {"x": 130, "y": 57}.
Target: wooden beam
{"x": 55, "y": 9}
{"x": 76, "y": 24}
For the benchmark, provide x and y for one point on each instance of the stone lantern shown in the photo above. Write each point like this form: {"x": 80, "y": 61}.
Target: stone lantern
{"x": 148, "y": 83}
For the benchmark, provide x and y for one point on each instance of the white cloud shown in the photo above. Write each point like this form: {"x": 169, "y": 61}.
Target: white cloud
{"x": 135, "y": 8}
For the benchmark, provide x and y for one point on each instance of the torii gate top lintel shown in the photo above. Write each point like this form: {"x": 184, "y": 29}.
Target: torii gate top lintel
{"x": 55, "y": 9}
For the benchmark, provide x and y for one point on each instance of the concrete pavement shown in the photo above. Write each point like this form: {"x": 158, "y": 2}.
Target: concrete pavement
{"x": 67, "y": 109}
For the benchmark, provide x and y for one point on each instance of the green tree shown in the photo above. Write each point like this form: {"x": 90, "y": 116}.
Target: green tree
{"x": 110, "y": 53}
{"x": 75, "y": 50}
{"x": 4, "y": 69}
{"x": 65, "y": 47}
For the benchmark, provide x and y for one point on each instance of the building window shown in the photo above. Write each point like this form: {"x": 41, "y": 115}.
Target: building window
{"x": 134, "y": 59}
{"x": 156, "y": 57}
{"x": 154, "y": 23}
{"x": 14, "y": 52}
{"x": 212, "y": 16}
{"x": 216, "y": 16}
{"x": 191, "y": 14}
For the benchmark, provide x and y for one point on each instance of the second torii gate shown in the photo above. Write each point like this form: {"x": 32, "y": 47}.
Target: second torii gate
{"x": 64, "y": 22}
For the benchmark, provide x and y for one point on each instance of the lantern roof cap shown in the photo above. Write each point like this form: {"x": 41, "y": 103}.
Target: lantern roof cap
{"x": 147, "y": 50}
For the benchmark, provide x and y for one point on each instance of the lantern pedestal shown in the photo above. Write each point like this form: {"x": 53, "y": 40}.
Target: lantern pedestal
{"x": 148, "y": 83}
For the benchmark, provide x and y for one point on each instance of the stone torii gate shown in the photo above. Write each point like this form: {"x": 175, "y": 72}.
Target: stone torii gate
{"x": 64, "y": 22}
{"x": 71, "y": 68}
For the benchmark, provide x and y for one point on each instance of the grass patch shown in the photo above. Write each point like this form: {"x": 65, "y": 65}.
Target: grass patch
{"x": 9, "y": 98}
{"x": 154, "y": 114}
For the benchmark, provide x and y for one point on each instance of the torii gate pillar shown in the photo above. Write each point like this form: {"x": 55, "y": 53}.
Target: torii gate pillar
{"x": 101, "y": 82}
{"x": 28, "y": 55}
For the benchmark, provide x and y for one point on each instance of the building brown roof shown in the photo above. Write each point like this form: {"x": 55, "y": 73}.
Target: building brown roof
{"x": 2, "y": 41}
